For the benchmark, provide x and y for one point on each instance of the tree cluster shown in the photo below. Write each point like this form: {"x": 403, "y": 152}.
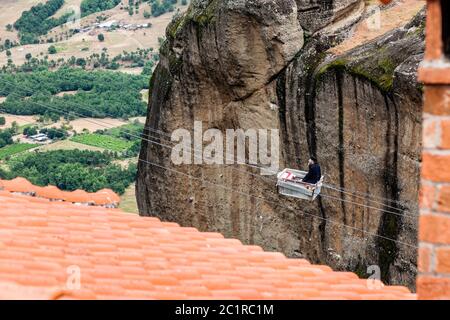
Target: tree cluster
{"x": 73, "y": 169}
{"x": 99, "y": 94}
{"x": 91, "y": 6}
{"x": 6, "y": 137}
{"x": 37, "y": 21}
{"x": 159, "y": 7}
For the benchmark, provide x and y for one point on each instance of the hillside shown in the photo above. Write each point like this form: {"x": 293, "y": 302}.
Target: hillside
{"x": 78, "y": 89}
{"x": 85, "y": 44}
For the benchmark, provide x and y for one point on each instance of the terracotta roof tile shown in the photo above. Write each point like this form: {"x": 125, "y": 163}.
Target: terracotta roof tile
{"x": 104, "y": 197}
{"x": 50, "y": 192}
{"x": 18, "y": 185}
{"x": 122, "y": 255}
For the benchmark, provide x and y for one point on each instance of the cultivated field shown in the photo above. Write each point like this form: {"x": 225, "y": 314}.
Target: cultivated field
{"x": 20, "y": 120}
{"x": 68, "y": 6}
{"x": 68, "y": 145}
{"x": 90, "y": 124}
{"x": 14, "y": 149}
{"x": 78, "y": 125}
{"x": 103, "y": 141}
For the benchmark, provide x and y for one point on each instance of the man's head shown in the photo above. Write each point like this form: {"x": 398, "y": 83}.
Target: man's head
{"x": 312, "y": 161}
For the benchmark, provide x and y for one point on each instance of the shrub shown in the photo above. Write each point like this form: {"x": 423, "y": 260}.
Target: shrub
{"x": 52, "y": 49}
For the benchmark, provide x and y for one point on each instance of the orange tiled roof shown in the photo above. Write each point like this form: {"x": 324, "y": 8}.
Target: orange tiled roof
{"x": 122, "y": 255}
{"x": 103, "y": 197}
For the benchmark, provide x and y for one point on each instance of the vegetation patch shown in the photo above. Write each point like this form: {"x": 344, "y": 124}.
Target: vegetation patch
{"x": 88, "y": 7}
{"x": 128, "y": 202}
{"x": 379, "y": 72}
{"x": 103, "y": 141}
{"x": 72, "y": 170}
{"x": 99, "y": 94}
{"x": 37, "y": 21}
{"x": 14, "y": 149}
{"x": 128, "y": 131}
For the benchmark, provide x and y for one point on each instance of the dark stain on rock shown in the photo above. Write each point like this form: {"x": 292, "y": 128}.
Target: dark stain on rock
{"x": 341, "y": 153}
{"x": 390, "y": 224}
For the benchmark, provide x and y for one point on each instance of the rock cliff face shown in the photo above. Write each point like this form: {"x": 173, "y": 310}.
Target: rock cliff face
{"x": 263, "y": 64}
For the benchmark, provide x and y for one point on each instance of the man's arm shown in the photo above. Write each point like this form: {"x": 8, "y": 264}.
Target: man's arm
{"x": 307, "y": 177}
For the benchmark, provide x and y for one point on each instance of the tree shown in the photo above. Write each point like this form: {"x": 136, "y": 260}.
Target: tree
{"x": 2, "y": 121}
{"x": 30, "y": 131}
{"x": 101, "y": 37}
{"x": 80, "y": 62}
{"x": 9, "y": 27}
{"x": 28, "y": 56}
{"x": 8, "y": 44}
{"x": 14, "y": 126}
{"x": 52, "y": 49}
{"x": 8, "y": 53}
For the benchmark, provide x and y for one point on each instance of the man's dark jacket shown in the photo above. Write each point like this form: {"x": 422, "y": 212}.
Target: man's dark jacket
{"x": 313, "y": 176}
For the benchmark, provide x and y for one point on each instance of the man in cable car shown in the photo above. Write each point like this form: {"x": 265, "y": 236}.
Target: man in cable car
{"x": 314, "y": 173}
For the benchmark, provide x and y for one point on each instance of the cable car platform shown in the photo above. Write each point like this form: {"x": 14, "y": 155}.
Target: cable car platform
{"x": 290, "y": 184}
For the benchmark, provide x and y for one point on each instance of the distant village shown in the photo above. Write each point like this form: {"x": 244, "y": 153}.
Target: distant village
{"x": 113, "y": 25}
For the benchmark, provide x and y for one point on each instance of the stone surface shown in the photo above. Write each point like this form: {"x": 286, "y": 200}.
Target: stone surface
{"x": 244, "y": 64}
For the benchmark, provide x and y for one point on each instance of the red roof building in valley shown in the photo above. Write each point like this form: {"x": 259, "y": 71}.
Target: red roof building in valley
{"x": 61, "y": 245}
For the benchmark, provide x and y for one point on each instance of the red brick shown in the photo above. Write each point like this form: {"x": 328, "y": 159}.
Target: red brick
{"x": 445, "y": 134}
{"x": 444, "y": 199}
{"x": 437, "y": 100}
{"x": 434, "y": 229}
{"x": 430, "y": 134}
{"x": 430, "y": 75}
{"x": 433, "y": 288}
{"x": 424, "y": 260}
{"x": 433, "y": 31}
{"x": 427, "y": 196}
{"x": 436, "y": 167}
{"x": 443, "y": 260}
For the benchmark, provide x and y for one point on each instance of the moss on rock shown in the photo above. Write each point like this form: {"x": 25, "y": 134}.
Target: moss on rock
{"x": 379, "y": 71}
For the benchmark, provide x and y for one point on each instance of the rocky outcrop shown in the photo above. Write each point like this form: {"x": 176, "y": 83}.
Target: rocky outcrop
{"x": 314, "y": 15}
{"x": 257, "y": 64}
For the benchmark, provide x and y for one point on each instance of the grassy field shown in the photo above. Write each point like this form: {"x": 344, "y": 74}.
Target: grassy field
{"x": 103, "y": 141}
{"x": 145, "y": 94}
{"x": 133, "y": 129}
{"x": 14, "y": 149}
{"x": 68, "y": 145}
{"x": 128, "y": 203}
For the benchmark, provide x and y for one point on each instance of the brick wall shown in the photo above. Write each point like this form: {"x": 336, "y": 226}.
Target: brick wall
{"x": 433, "y": 281}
